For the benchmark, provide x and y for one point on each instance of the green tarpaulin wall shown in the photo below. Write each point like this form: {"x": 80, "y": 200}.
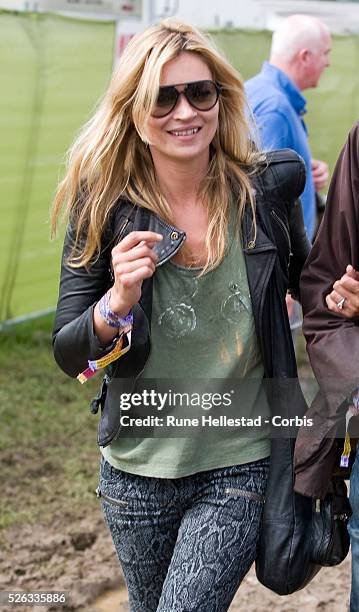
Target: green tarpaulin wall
{"x": 53, "y": 71}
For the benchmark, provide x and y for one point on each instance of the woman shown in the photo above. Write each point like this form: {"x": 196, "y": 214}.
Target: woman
{"x": 176, "y": 265}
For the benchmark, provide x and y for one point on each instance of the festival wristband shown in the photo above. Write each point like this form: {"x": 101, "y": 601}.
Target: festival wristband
{"x": 353, "y": 411}
{"x": 116, "y": 353}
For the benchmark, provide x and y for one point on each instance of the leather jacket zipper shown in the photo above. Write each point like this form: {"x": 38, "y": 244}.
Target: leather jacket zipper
{"x": 281, "y": 225}
{"x": 121, "y": 232}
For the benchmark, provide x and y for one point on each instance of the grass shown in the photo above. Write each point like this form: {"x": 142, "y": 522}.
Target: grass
{"x": 48, "y": 448}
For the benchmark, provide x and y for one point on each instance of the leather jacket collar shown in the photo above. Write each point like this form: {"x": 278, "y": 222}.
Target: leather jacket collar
{"x": 132, "y": 218}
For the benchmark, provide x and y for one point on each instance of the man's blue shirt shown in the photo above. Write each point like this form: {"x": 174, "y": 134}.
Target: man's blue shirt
{"x": 278, "y": 107}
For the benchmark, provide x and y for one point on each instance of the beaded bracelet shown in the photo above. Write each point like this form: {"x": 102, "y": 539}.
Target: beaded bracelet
{"x": 110, "y": 317}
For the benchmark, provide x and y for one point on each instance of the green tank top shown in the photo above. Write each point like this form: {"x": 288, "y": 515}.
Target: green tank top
{"x": 202, "y": 328}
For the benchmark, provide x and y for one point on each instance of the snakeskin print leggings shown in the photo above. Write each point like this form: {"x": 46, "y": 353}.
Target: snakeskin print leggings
{"x": 184, "y": 544}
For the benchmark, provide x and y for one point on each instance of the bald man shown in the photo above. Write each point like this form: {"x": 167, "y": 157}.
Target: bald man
{"x": 299, "y": 54}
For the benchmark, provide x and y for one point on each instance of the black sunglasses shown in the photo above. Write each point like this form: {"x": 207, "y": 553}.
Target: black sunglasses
{"x": 202, "y": 95}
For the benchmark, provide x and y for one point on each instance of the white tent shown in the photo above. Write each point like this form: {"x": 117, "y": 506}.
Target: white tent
{"x": 341, "y": 17}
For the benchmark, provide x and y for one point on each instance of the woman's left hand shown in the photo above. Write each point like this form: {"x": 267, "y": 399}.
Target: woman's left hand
{"x": 344, "y": 299}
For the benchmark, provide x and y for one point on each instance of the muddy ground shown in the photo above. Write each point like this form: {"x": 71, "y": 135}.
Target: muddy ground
{"x": 72, "y": 554}
{"x": 75, "y": 554}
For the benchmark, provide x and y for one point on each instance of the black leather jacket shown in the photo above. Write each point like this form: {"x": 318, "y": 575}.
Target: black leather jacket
{"x": 273, "y": 261}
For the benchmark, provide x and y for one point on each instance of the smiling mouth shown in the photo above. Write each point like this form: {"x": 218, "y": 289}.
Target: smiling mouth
{"x": 189, "y": 132}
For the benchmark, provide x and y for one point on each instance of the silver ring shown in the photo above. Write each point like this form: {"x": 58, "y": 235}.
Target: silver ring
{"x": 340, "y": 304}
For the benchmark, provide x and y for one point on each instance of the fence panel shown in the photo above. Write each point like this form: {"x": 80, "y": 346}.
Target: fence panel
{"x": 53, "y": 72}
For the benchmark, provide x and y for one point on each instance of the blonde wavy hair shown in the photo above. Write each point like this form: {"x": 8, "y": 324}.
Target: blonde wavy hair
{"x": 110, "y": 160}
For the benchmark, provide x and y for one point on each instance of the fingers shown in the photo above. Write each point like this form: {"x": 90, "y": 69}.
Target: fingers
{"x": 349, "y": 308}
{"x": 134, "y": 239}
{"x": 319, "y": 167}
{"x": 347, "y": 311}
{"x": 129, "y": 275}
{"x": 320, "y": 173}
{"x": 352, "y": 273}
{"x": 337, "y": 296}
{"x": 332, "y": 304}
{"x": 138, "y": 252}
{"x": 340, "y": 291}
{"x": 320, "y": 183}
{"x": 132, "y": 279}
{"x": 125, "y": 267}
{"x": 135, "y": 251}
{"x": 346, "y": 287}
{"x": 133, "y": 260}
{"x": 347, "y": 284}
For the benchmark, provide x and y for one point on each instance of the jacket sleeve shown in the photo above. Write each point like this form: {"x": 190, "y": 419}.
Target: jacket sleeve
{"x": 74, "y": 339}
{"x": 289, "y": 176}
{"x": 332, "y": 341}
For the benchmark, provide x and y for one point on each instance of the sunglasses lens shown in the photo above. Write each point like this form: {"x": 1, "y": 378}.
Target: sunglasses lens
{"x": 202, "y": 94}
{"x": 166, "y": 100}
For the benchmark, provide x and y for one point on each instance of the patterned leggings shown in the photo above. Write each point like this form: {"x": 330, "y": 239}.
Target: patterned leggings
{"x": 184, "y": 544}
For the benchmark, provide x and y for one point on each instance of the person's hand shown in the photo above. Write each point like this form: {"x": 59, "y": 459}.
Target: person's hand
{"x": 320, "y": 173}
{"x": 289, "y": 302}
{"x": 346, "y": 294}
{"x": 133, "y": 260}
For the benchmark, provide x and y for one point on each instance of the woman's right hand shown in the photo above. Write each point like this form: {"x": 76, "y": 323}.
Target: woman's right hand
{"x": 133, "y": 260}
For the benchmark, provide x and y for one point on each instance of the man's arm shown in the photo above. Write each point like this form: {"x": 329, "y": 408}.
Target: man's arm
{"x": 333, "y": 341}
